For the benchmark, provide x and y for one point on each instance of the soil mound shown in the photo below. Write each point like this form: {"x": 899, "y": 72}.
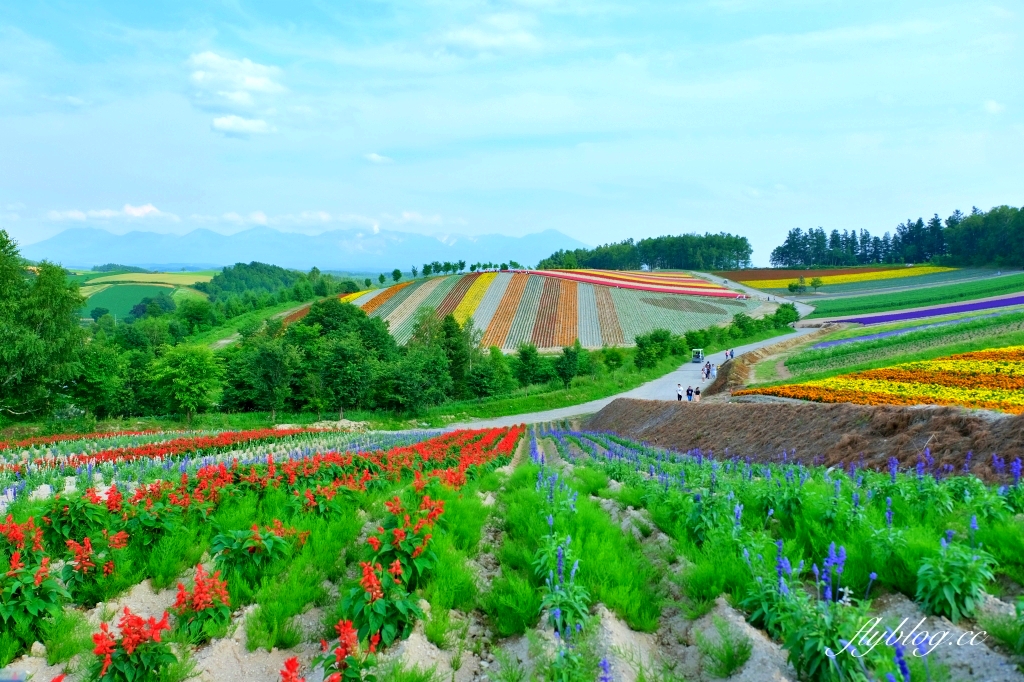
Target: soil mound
{"x": 827, "y": 434}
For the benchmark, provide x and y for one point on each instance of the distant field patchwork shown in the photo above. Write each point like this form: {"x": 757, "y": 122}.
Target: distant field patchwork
{"x": 183, "y": 279}
{"x": 120, "y": 299}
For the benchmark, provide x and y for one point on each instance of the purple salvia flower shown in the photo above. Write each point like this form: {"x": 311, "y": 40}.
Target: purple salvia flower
{"x": 974, "y": 522}
{"x": 901, "y": 663}
{"x": 888, "y": 512}
{"x": 606, "y": 671}
{"x": 841, "y": 560}
{"x": 561, "y": 564}
{"x": 856, "y": 499}
{"x": 949, "y": 535}
{"x": 894, "y": 466}
{"x": 737, "y": 514}
{"x": 575, "y": 567}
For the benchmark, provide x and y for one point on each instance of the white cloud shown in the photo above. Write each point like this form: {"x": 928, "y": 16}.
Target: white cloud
{"x": 495, "y": 32}
{"x": 994, "y": 107}
{"x": 236, "y": 125}
{"x": 373, "y": 157}
{"x": 415, "y": 217}
{"x": 258, "y": 217}
{"x": 142, "y": 211}
{"x": 66, "y": 215}
{"x": 129, "y": 211}
{"x": 233, "y": 79}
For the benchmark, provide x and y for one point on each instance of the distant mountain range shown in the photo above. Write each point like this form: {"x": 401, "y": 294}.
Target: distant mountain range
{"x": 352, "y": 250}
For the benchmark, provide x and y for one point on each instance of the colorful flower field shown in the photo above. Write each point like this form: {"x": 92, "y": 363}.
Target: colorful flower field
{"x": 551, "y": 309}
{"x": 809, "y": 556}
{"x": 216, "y": 522}
{"x": 780, "y": 279}
{"x": 315, "y": 555}
{"x": 989, "y": 379}
{"x": 938, "y": 310}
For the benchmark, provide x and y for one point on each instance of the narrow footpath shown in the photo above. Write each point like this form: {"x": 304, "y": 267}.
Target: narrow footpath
{"x": 662, "y": 388}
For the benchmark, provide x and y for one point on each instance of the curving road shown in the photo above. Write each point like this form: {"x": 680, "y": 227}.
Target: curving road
{"x": 662, "y": 388}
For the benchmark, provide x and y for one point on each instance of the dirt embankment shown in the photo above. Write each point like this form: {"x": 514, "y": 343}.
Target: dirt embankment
{"x": 834, "y": 434}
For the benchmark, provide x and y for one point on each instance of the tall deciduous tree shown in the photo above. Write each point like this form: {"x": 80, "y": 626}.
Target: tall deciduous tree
{"x": 187, "y": 377}
{"x": 40, "y": 337}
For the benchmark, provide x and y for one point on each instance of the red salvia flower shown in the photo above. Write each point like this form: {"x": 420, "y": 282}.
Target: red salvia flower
{"x": 118, "y": 540}
{"x": 374, "y": 641}
{"x": 43, "y": 572}
{"x": 114, "y": 499}
{"x": 398, "y": 534}
{"x": 108, "y": 568}
{"x": 348, "y": 639}
{"x": 396, "y": 569}
{"x": 136, "y": 630}
{"x": 83, "y": 555}
{"x": 209, "y": 591}
{"x": 394, "y": 506}
{"x": 16, "y": 564}
{"x": 105, "y": 645}
{"x": 374, "y": 542}
{"x": 291, "y": 671}
{"x": 370, "y": 582}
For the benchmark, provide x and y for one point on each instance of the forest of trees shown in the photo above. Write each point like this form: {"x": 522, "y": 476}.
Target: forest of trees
{"x": 334, "y": 359}
{"x": 994, "y": 237}
{"x": 684, "y": 252}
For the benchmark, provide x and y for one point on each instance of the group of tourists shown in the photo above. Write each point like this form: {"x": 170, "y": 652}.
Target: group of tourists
{"x": 692, "y": 394}
{"x": 708, "y": 371}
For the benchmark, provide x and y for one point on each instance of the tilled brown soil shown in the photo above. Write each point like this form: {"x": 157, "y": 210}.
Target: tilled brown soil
{"x": 834, "y": 434}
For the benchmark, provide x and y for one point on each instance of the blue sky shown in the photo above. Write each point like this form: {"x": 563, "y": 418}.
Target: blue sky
{"x": 602, "y": 119}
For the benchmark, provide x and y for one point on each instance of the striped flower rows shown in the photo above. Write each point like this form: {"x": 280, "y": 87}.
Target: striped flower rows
{"x": 473, "y": 297}
{"x": 526, "y": 314}
{"x": 990, "y": 379}
{"x": 849, "y": 278}
{"x": 550, "y": 310}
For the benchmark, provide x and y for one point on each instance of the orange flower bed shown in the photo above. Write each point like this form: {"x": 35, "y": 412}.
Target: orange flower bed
{"x": 568, "y": 314}
{"x": 383, "y": 297}
{"x": 989, "y": 379}
{"x": 607, "y": 318}
{"x": 547, "y": 314}
{"x": 501, "y": 323}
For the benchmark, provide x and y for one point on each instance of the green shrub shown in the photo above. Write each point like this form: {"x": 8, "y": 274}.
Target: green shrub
{"x": 952, "y": 582}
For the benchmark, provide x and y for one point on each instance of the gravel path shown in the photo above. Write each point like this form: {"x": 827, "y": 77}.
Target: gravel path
{"x": 662, "y": 388}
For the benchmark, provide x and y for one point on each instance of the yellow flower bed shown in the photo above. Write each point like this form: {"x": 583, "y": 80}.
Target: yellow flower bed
{"x": 849, "y": 279}
{"x": 976, "y": 380}
{"x": 468, "y": 305}
{"x": 348, "y": 298}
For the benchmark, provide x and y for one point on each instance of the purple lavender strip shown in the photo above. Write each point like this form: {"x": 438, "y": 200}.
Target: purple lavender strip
{"x": 905, "y": 330}
{"x": 945, "y": 310}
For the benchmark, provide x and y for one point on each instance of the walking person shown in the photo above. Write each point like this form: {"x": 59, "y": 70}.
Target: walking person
{"x": 689, "y": 393}
{"x": 696, "y": 395}
{"x": 714, "y": 371}
{"x": 679, "y": 392}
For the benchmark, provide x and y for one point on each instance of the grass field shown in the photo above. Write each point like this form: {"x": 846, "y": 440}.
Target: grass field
{"x": 231, "y": 327}
{"x": 182, "y": 293}
{"x": 952, "y": 293}
{"x": 176, "y": 278}
{"x": 120, "y": 299}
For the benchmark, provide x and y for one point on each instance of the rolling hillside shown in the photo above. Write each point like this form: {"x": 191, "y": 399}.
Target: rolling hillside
{"x": 551, "y": 309}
